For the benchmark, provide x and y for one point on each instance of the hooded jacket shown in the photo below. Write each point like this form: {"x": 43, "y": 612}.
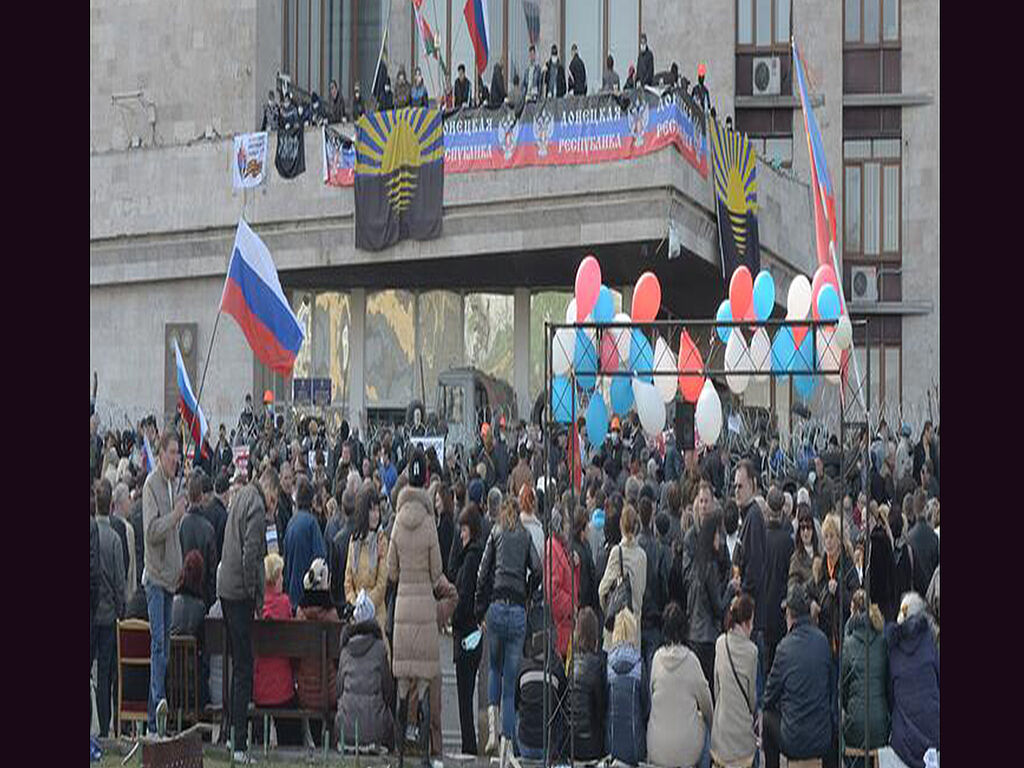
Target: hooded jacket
{"x": 240, "y": 576}
{"x": 625, "y": 735}
{"x": 681, "y": 712}
{"x": 588, "y": 704}
{"x": 365, "y": 686}
{"x": 913, "y": 689}
{"x": 799, "y": 689}
{"x": 864, "y": 683}
{"x": 414, "y": 563}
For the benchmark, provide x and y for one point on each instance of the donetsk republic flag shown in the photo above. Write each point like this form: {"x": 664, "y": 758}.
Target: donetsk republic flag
{"x": 399, "y": 176}
{"x": 735, "y": 174}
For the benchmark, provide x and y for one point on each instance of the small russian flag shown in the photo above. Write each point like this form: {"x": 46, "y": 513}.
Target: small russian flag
{"x": 191, "y": 413}
{"x": 475, "y": 12}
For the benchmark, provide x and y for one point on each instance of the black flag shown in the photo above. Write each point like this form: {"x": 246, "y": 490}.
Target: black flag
{"x": 290, "y": 160}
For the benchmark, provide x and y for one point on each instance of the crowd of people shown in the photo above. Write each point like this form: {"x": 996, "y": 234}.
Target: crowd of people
{"x": 681, "y": 606}
{"x": 552, "y": 79}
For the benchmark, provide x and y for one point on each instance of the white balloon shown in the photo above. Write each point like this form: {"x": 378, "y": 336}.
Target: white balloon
{"x": 563, "y": 349}
{"x": 798, "y": 302}
{"x": 622, "y": 337}
{"x": 665, "y": 361}
{"x": 649, "y": 407}
{"x": 737, "y": 358}
{"x": 844, "y": 333}
{"x": 708, "y": 415}
{"x": 570, "y": 311}
{"x": 761, "y": 351}
{"x": 829, "y": 354}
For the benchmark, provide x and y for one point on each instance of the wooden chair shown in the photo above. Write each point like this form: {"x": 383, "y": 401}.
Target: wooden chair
{"x": 133, "y": 648}
{"x": 183, "y": 683}
{"x": 872, "y": 754}
{"x": 810, "y": 762}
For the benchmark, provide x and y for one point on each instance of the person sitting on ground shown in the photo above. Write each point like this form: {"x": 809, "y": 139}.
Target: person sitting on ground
{"x": 864, "y": 676}
{"x": 532, "y": 687}
{"x": 628, "y": 702}
{"x": 798, "y": 715}
{"x": 736, "y": 726}
{"x": 315, "y": 605}
{"x": 588, "y": 702}
{"x": 679, "y": 730}
{"x": 365, "y": 687}
{"x": 913, "y": 682}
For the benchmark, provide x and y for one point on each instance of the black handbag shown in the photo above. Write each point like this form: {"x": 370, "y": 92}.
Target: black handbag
{"x": 621, "y": 597}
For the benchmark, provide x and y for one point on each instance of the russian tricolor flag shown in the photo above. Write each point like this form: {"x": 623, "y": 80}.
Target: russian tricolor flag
{"x": 253, "y": 296}
{"x": 475, "y": 12}
{"x": 191, "y": 413}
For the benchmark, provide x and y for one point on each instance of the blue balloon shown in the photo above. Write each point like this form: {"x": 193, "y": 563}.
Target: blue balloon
{"x": 783, "y": 350}
{"x": 604, "y": 309}
{"x": 803, "y": 360}
{"x": 764, "y": 294}
{"x": 805, "y": 385}
{"x": 828, "y": 302}
{"x": 562, "y": 400}
{"x": 724, "y": 313}
{"x": 641, "y": 356}
{"x": 622, "y": 395}
{"x": 585, "y": 360}
{"x": 597, "y": 419}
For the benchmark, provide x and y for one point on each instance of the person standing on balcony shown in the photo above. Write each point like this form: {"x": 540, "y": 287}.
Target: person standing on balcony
{"x": 644, "y": 64}
{"x": 577, "y": 73}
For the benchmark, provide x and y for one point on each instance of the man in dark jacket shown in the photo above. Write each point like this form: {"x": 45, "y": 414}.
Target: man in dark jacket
{"x": 196, "y": 532}
{"x": 109, "y": 606}
{"x": 798, "y": 715}
{"x": 925, "y": 449}
{"x": 644, "y": 64}
{"x": 461, "y": 88}
{"x": 554, "y": 76}
{"x": 240, "y": 588}
{"x": 655, "y": 587}
{"x": 925, "y": 544}
{"x": 284, "y": 503}
{"x": 577, "y": 73}
{"x": 752, "y": 552}
{"x": 532, "y": 687}
{"x": 778, "y": 551}
{"x": 303, "y": 543}
{"x": 216, "y": 512}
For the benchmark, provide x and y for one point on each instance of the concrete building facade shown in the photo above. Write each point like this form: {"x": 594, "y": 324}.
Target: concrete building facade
{"x": 169, "y": 87}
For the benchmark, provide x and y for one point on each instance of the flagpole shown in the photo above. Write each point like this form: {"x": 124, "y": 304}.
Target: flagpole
{"x": 383, "y": 41}
{"x": 199, "y": 396}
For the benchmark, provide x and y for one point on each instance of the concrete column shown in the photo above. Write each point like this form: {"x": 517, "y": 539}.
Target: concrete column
{"x": 521, "y": 350}
{"x": 357, "y": 360}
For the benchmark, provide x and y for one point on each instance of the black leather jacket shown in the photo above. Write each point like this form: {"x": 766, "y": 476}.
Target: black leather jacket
{"x": 510, "y": 569}
{"x": 588, "y": 705}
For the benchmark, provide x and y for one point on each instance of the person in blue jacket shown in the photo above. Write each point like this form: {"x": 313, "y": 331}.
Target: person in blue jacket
{"x": 799, "y": 720}
{"x": 913, "y": 682}
{"x": 303, "y": 541}
{"x": 626, "y": 729}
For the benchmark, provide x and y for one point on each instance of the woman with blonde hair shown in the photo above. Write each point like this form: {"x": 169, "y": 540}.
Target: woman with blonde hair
{"x": 835, "y": 564}
{"x": 626, "y": 561}
{"x": 865, "y": 676}
{"x": 626, "y": 736}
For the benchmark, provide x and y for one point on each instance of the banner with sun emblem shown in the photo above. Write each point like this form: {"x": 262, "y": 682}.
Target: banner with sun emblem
{"x": 399, "y": 178}
{"x": 734, "y": 166}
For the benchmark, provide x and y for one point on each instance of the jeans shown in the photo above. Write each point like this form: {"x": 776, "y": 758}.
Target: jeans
{"x": 506, "y": 625}
{"x": 466, "y": 665}
{"x": 238, "y": 617}
{"x": 757, "y": 636}
{"x": 705, "y": 753}
{"x": 158, "y": 601}
{"x": 106, "y": 674}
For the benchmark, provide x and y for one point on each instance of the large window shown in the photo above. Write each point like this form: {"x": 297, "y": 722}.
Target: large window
{"x": 599, "y": 28}
{"x": 763, "y": 23}
{"x": 880, "y": 342}
{"x": 871, "y": 194}
{"x": 871, "y": 22}
{"x": 331, "y": 39}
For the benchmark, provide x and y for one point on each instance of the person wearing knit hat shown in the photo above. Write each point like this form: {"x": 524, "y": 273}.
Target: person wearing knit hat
{"x": 363, "y": 609}
{"x": 475, "y": 492}
{"x": 365, "y": 684}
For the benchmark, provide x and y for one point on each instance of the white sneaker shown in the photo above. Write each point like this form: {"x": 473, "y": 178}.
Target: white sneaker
{"x": 161, "y": 718}
{"x": 243, "y": 758}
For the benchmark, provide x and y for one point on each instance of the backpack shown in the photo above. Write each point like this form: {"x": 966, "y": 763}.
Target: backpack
{"x": 621, "y": 597}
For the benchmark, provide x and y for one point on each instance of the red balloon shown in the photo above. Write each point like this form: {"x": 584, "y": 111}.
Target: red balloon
{"x": 646, "y": 298}
{"x": 823, "y": 275}
{"x": 588, "y": 285}
{"x": 741, "y": 293}
{"x": 691, "y": 368}
{"x": 799, "y": 332}
{"x": 609, "y": 354}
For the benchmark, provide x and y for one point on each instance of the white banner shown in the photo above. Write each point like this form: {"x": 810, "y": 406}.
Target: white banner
{"x": 427, "y": 442}
{"x": 249, "y": 160}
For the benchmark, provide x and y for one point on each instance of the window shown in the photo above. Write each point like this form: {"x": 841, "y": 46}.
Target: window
{"x": 883, "y": 380}
{"x": 763, "y": 23}
{"x": 331, "y": 39}
{"x": 770, "y": 131}
{"x": 871, "y": 22}
{"x": 599, "y": 28}
{"x": 871, "y": 195}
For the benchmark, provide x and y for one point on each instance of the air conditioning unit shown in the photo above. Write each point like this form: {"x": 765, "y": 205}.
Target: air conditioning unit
{"x": 864, "y": 282}
{"x": 766, "y": 78}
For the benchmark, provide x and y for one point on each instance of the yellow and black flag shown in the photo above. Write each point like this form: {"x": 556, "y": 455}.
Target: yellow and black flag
{"x": 399, "y": 178}
{"x": 735, "y": 172}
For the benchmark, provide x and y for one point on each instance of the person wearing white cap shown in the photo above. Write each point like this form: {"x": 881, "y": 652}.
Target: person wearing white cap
{"x": 803, "y": 496}
{"x": 365, "y": 686}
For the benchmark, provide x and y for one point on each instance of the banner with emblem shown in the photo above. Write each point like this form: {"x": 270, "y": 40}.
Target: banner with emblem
{"x": 339, "y": 158}
{"x": 576, "y": 130}
{"x": 399, "y": 176}
{"x": 250, "y": 160}
{"x": 735, "y": 174}
{"x": 291, "y": 145}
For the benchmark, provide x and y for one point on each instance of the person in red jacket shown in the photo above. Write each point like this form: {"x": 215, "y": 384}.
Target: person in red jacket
{"x": 273, "y": 682}
{"x": 561, "y": 583}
